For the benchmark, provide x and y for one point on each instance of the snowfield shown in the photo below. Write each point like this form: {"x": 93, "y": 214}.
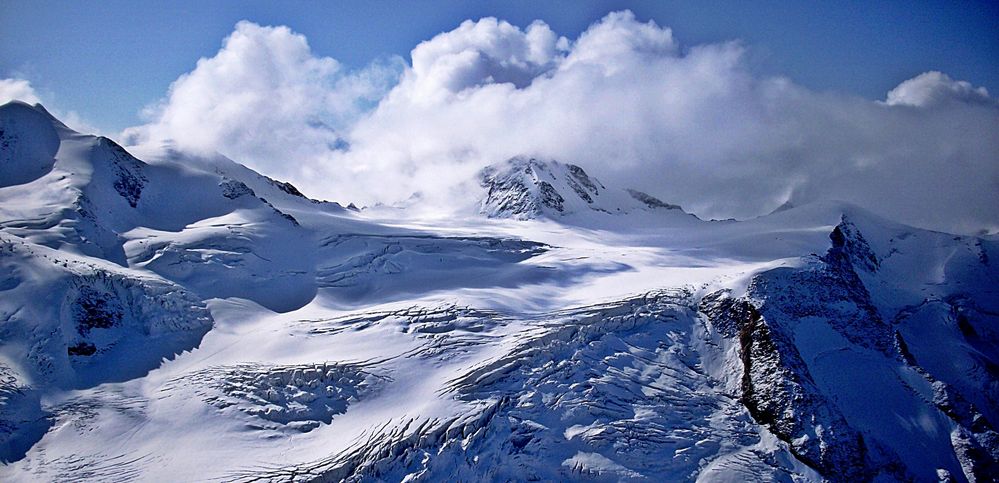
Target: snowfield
{"x": 166, "y": 317}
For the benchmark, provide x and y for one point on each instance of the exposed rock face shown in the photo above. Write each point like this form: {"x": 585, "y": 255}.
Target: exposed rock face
{"x": 522, "y": 189}
{"x": 126, "y": 170}
{"x": 93, "y": 309}
{"x": 805, "y": 334}
{"x": 525, "y": 188}
{"x": 288, "y": 188}
{"x": 850, "y": 249}
{"x": 104, "y": 310}
{"x": 651, "y": 201}
{"x": 583, "y": 185}
{"x": 975, "y": 439}
{"x": 233, "y": 189}
{"x": 779, "y": 392}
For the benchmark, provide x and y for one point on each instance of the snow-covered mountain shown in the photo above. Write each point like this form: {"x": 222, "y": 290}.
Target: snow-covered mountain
{"x": 524, "y": 188}
{"x": 186, "y": 318}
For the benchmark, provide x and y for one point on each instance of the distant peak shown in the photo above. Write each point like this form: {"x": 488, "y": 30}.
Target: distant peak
{"x": 524, "y": 187}
{"x": 651, "y": 201}
{"x": 22, "y": 112}
{"x": 12, "y": 108}
{"x": 849, "y": 247}
{"x": 787, "y": 205}
{"x": 29, "y": 140}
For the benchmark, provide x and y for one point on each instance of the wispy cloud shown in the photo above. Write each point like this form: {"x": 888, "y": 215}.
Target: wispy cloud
{"x": 17, "y": 90}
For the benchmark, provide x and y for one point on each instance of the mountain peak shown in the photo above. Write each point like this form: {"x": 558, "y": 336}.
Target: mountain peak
{"x": 524, "y": 187}
{"x": 29, "y": 141}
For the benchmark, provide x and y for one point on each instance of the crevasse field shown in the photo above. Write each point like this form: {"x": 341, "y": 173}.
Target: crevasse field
{"x": 165, "y": 317}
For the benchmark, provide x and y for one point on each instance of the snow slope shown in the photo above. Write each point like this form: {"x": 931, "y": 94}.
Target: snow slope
{"x": 185, "y": 318}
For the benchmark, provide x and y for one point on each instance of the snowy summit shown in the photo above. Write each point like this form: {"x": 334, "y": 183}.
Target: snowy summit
{"x": 526, "y": 188}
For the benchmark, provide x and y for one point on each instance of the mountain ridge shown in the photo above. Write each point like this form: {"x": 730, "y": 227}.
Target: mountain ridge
{"x": 524, "y": 187}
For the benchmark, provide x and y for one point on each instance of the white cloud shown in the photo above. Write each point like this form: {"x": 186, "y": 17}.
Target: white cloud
{"x": 691, "y": 125}
{"x": 17, "y": 90}
{"x": 265, "y": 100}
{"x": 478, "y": 53}
{"x": 14, "y": 89}
{"x": 619, "y": 38}
{"x": 934, "y": 88}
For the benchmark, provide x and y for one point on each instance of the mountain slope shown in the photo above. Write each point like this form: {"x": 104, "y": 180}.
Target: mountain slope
{"x": 576, "y": 333}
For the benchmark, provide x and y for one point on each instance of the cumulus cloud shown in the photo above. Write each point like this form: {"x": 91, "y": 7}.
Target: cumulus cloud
{"x": 932, "y": 88}
{"x": 690, "y": 124}
{"x": 265, "y": 100}
{"x": 479, "y": 53}
{"x": 17, "y": 90}
{"x": 619, "y": 39}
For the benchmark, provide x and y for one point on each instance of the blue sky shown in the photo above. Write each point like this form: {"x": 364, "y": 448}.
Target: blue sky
{"x": 106, "y": 60}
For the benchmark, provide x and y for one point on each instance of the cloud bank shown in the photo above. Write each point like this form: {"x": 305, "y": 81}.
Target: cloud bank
{"x": 693, "y": 125}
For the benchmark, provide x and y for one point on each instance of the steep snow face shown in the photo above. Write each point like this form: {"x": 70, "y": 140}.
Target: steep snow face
{"x": 525, "y": 188}
{"x": 828, "y": 365}
{"x": 22, "y": 420}
{"x": 76, "y": 322}
{"x": 94, "y": 192}
{"x": 28, "y": 143}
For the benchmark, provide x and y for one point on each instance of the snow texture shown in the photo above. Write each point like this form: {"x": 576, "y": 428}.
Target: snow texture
{"x": 165, "y": 316}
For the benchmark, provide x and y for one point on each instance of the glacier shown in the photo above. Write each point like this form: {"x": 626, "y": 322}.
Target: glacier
{"x": 170, "y": 316}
